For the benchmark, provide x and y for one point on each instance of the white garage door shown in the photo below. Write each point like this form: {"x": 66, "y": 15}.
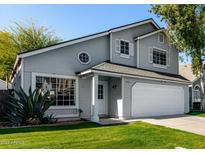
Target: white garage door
{"x": 156, "y": 100}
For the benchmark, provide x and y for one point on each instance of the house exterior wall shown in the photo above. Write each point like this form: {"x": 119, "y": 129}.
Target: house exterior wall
{"x": 17, "y": 81}
{"x": 152, "y": 41}
{"x": 64, "y": 61}
{"x": 114, "y": 96}
{"x": 127, "y": 97}
{"x": 128, "y": 35}
{"x": 85, "y": 97}
{"x": 196, "y": 83}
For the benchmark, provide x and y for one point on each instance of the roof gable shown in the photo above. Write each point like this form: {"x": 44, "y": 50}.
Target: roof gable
{"x": 85, "y": 38}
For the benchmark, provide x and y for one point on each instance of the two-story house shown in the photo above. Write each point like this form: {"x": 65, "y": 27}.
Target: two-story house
{"x": 125, "y": 72}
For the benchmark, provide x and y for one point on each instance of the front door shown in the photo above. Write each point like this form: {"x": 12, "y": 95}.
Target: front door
{"x": 102, "y": 97}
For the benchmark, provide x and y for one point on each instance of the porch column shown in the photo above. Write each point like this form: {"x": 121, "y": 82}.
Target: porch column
{"x": 94, "y": 98}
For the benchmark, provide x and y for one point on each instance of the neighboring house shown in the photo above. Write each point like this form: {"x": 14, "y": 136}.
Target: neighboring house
{"x": 195, "y": 95}
{"x": 125, "y": 72}
{"x": 4, "y": 85}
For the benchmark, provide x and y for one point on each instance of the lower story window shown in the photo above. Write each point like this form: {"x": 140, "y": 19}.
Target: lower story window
{"x": 61, "y": 90}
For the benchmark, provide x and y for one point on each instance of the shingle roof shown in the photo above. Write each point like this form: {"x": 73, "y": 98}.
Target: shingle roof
{"x": 133, "y": 71}
{"x": 186, "y": 72}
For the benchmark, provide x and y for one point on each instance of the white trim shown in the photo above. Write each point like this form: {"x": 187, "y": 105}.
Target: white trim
{"x": 167, "y": 56}
{"x": 85, "y": 38}
{"x": 94, "y": 98}
{"x": 88, "y": 56}
{"x": 62, "y": 45}
{"x": 149, "y": 34}
{"x": 159, "y": 38}
{"x": 133, "y": 76}
{"x": 14, "y": 68}
{"x": 111, "y": 47}
{"x": 33, "y": 87}
{"x": 22, "y": 73}
{"x": 159, "y": 66}
{"x": 197, "y": 85}
{"x": 67, "y": 116}
{"x": 62, "y": 107}
{"x": 123, "y": 95}
{"x": 134, "y": 25}
{"x": 123, "y": 55}
{"x": 138, "y": 53}
{"x": 105, "y": 95}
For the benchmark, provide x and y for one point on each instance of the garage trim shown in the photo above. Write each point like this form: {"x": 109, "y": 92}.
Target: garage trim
{"x": 140, "y": 84}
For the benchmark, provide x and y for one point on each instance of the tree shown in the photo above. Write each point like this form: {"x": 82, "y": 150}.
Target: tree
{"x": 186, "y": 29}
{"x": 8, "y": 51}
{"x": 22, "y": 37}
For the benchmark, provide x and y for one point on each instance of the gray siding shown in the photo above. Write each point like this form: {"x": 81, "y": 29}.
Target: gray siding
{"x": 17, "y": 81}
{"x": 64, "y": 61}
{"x": 127, "y": 100}
{"x": 85, "y": 97}
{"x": 115, "y": 94}
{"x": 152, "y": 41}
{"x": 129, "y": 35}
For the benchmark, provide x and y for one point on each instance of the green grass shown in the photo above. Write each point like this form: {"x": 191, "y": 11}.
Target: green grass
{"x": 89, "y": 135}
{"x": 197, "y": 113}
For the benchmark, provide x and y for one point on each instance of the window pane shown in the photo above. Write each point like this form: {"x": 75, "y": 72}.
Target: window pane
{"x": 60, "y": 102}
{"x": 159, "y": 57}
{"x": 100, "y": 91}
{"x": 39, "y": 79}
{"x": 61, "y": 90}
{"x": 124, "y": 47}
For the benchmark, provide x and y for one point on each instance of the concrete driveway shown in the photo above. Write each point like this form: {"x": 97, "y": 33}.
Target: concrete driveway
{"x": 187, "y": 123}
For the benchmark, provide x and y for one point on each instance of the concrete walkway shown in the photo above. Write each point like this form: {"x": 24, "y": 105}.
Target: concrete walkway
{"x": 193, "y": 124}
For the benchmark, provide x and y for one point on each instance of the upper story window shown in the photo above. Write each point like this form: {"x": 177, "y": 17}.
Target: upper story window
{"x": 161, "y": 38}
{"x": 84, "y": 57}
{"x": 124, "y": 47}
{"x": 159, "y": 57}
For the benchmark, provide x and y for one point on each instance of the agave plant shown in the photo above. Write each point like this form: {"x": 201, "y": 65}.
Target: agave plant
{"x": 27, "y": 108}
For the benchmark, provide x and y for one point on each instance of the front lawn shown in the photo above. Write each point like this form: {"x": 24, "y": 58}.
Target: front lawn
{"x": 90, "y": 135}
{"x": 197, "y": 113}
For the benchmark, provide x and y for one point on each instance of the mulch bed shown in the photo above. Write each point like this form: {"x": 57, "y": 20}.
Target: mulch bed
{"x": 4, "y": 125}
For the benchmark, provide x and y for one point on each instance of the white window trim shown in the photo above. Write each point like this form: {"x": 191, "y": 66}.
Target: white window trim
{"x": 159, "y": 38}
{"x": 197, "y": 85}
{"x": 85, "y": 53}
{"x": 158, "y": 65}
{"x": 33, "y": 87}
{"x": 122, "y": 55}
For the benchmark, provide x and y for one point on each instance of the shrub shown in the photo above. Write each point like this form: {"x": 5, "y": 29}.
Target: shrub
{"x": 24, "y": 109}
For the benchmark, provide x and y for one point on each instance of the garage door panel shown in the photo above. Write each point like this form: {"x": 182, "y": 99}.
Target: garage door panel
{"x": 155, "y": 100}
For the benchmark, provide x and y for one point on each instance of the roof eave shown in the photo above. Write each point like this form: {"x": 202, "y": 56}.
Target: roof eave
{"x": 89, "y": 37}
{"x": 150, "y": 34}
{"x": 15, "y": 66}
{"x": 92, "y": 70}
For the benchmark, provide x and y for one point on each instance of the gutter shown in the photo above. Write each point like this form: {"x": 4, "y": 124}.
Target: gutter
{"x": 133, "y": 76}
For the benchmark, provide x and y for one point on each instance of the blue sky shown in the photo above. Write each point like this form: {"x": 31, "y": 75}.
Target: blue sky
{"x": 71, "y": 21}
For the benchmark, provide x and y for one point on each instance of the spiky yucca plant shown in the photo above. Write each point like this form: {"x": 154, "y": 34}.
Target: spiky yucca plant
{"x": 23, "y": 109}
